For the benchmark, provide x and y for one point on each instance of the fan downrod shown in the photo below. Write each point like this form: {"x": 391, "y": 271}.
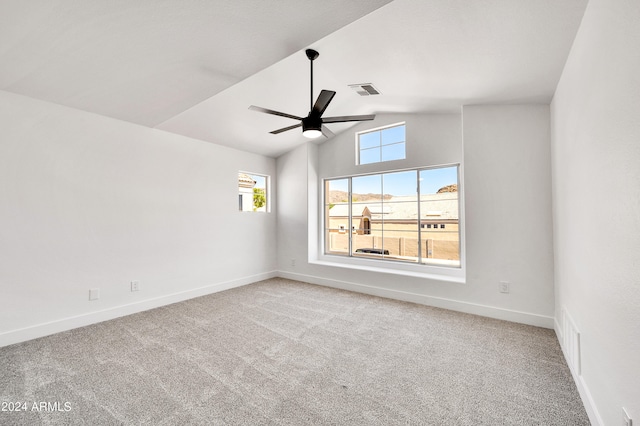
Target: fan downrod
{"x": 311, "y": 54}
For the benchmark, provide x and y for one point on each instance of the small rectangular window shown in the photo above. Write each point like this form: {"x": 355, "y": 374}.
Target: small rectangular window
{"x": 385, "y": 144}
{"x": 253, "y": 192}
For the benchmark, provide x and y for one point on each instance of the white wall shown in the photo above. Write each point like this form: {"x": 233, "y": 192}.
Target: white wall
{"x": 508, "y": 205}
{"x": 505, "y": 160}
{"x": 431, "y": 140}
{"x": 91, "y": 202}
{"x": 292, "y": 208}
{"x": 596, "y": 212}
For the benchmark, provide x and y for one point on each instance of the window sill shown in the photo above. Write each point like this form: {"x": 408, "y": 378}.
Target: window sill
{"x": 454, "y": 275}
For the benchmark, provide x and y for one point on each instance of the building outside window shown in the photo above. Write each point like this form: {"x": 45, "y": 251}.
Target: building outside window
{"x": 402, "y": 216}
{"x": 252, "y": 192}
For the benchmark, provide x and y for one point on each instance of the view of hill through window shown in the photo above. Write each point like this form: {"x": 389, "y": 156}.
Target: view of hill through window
{"x": 407, "y": 216}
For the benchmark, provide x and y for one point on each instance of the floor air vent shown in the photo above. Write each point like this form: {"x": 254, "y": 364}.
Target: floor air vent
{"x": 571, "y": 342}
{"x": 365, "y": 89}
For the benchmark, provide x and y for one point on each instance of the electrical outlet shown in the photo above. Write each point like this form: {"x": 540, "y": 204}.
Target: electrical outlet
{"x": 503, "y": 287}
{"x": 293, "y": 263}
{"x": 135, "y": 285}
{"x": 94, "y": 293}
{"x": 627, "y": 418}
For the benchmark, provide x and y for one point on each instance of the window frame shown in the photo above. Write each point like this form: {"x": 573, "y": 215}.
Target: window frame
{"x": 380, "y": 146}
{"x": 423, "y": 270}
{"x": 267, "y": 192}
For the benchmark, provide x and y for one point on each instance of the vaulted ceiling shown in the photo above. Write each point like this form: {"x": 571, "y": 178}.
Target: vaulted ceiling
{"x": 194, "y": 67}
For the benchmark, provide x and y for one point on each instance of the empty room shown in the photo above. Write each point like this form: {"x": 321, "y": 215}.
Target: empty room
{"x": 298, "y": 212}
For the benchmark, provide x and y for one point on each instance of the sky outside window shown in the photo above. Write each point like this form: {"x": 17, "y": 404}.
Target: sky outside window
{"x": 382, "y": 145}
{"x": 431, "y": 180}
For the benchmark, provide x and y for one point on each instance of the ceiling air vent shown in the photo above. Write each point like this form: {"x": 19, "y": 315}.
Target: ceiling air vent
{"x": 365, "y": 89}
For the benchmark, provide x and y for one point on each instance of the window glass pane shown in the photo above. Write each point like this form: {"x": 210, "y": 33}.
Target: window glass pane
{"x": 366, "y": 213}
{"x": 439, "y": 206}
{"x": 399, "y": 184}
{"x": 385, "y": 218}
{"x": 370, "y": 184}
{"x": 382, "y": 145}
{"x": 337, "y": 190}
{"x": 369, "y": 140}
{"x": 401, "y": 243}
{"x": 337, "y": 216}
{"x": 393, "y": 152}
{"x": 393, "y": 135}
{"x": 433, "y": 180}
{"x": 400, "y": 223}
{"x": 367, "y": 238}
{"x": 252, "y": 190}
{"x": 369, "y": 156}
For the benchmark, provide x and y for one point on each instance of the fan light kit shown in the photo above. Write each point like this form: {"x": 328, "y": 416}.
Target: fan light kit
{"x": 313, "y": 125}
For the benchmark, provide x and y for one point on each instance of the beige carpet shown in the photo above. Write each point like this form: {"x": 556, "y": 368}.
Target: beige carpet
{"x": 281, "y": 352}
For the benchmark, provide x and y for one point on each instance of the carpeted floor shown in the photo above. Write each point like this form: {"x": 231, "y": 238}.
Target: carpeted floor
{"x": 281, "y": 352}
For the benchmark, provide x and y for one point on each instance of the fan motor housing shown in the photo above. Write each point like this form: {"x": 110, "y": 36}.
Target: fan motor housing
{"x": 311, "y": 123}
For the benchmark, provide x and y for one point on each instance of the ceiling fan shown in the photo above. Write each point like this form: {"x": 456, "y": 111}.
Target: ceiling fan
{"x": 313, "y": 125}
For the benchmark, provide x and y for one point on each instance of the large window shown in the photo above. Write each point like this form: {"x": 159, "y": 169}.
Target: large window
{"x": 252, "y": 192}
{"x": 385, "y": 144}
{"x": 404, "y": 216}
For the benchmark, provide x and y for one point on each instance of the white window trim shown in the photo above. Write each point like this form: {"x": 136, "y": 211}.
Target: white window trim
{"x": 267, "y": 187}
{"x": 377, "y": 129}
{"x": 431, "y": 272}
{"x": 455, "y": 275}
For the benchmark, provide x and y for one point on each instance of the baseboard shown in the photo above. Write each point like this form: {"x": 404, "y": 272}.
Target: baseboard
{"x": 439, "y": 302}
{"x": 583, "y": 389}
{"x": 64, "y": 324}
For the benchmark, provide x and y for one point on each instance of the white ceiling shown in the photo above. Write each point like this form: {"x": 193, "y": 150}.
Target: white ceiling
{"x": 194, "y": 67}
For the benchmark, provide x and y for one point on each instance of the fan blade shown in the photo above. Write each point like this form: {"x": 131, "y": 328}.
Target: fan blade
{"x": 284, "y": 129}
{"x": 272, "y": 112}
{"x": 326, "y": 132}
{"x": 322, "y": 102}
{"x": 345, "y": 118}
